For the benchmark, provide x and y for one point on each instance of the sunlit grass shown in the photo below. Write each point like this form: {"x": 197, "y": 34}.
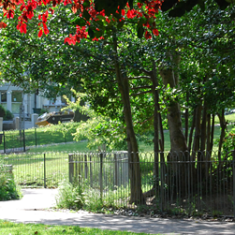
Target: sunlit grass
{"x": 8, "y": 228}
{"x": 72, "y": 147}
{"x": 230, "y": 118}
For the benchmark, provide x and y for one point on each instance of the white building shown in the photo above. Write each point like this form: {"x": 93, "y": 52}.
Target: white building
{"x": 12, "y": 97}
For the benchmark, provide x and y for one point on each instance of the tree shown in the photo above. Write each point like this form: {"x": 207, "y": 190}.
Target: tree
{"x": 176, "y": 75}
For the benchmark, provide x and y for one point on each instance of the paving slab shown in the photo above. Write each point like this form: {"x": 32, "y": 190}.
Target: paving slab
{"x": 33, "y": 208}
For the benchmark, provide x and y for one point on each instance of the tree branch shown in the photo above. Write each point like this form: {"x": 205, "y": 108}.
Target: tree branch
{"x": 139, "y": 77}
{"x": 141, "y": 87}
{"x": 141, "y": 93}
{"x": 146, "y": 71}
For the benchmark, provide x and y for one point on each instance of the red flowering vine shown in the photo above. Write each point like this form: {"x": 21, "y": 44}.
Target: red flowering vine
{"x": 145, "y": 13}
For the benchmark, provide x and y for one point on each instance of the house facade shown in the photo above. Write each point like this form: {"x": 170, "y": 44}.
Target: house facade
{"x": 14, "y": 99}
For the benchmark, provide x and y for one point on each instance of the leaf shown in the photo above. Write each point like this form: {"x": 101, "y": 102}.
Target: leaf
{"x": 86, "y": 3}
{"x": 79, "y": 21}
{"x": 91, "y": 33}
{"x": 120, "y": 24}
{"x": 86, "y": 15}
{"x": 140, "y": 31}
{"x": 98, "y": 34}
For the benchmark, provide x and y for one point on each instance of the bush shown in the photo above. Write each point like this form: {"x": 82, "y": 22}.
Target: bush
{"x": 2, "y": 111}
{"x": 42, "y": 111}
{"x": 73, "y": 196}
{"x": 8, "y": 188}
{"x": 70, "y": 196}
{"x": 8, "y": 115}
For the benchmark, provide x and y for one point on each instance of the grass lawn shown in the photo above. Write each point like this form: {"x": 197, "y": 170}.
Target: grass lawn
{"x": 230, "y": 118}
{"x": 59, "y": 147}
{"x": 39, "y": 136}
{"x": 7, "y": 228}
{"x": 82, "y": 145}
{"x": 54, "y": 134}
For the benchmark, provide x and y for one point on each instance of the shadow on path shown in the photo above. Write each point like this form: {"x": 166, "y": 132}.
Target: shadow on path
{"x": 31, "y": 209}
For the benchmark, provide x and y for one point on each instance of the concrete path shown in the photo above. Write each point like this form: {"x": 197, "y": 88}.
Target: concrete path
{"x": 32, "y": 209}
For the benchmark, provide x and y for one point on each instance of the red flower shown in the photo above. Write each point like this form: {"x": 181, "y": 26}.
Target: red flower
{"x": 123, "y": 12}
{"x": 147, "y": 35}
{"x": 139, "y": 4}
{"x": 131, "y": 13}
{"x": 70, "y": 40}
{"x": 46, "y": 31}
{"x": 51, "y": 10}
{"x": 3, "y": 25}
{"x": 10, "y": 14}
{"x": 40, "y": 33}
{"x": 108, "y": 20}
{"x": 155, "y": 32}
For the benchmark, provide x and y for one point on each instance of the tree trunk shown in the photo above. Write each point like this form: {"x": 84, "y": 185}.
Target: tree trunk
{"x": 186, "y": 119}
{"x": 155, "y": 124}
{"x": 176, "y": 172}
{"x": 191, "y": 131}
{"x": 134, "y": 163}
{"x": 223, "y": 125}
{"x": 197, "y": 134}
{"x": 177, "y": 138}
{"x": 212, "y": 131}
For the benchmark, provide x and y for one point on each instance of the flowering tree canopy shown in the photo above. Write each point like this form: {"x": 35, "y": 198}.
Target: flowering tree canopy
{"x": 95, "y": 17}
{"x": 92, "y": 17}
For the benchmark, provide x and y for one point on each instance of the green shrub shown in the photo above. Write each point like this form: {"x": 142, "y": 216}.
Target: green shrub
{"x": 8, "y": 115}
{"x": 2, "y": 111}
{"x": 8, "y": 188}
{"x": 70, "y": 196}
{"x": 42, "y": 111}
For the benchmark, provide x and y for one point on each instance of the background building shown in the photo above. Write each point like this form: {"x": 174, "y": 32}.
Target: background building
{"x": 14, "y": 99}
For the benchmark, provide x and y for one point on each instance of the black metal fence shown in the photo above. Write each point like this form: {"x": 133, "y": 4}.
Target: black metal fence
{"x": 38, "y": 169}
{"x": 190, "y": 186}
{"x": 15, "y": 141}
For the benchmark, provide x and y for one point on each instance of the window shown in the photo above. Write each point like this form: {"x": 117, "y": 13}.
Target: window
{"x": 3, "y": 97}
{"x": 17, "y": 96}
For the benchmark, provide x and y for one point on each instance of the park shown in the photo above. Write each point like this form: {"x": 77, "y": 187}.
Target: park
{"x": 151, "y": 85}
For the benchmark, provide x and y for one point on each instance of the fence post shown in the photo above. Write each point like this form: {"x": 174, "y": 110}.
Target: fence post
{"x": 161, "y": 188}
{"x": 86, "y": 168}
{"x": 234, "y": 183}
{"x": 115, "y": 172}
{"x": 35, "y": 136}
{"x": 71, "y": 168}
{"x": 24, "y": 140}
{"x": 101, "y": 181}
{"x": 45, "y": 181}
{"x": 4, "y": 137}
{"x": 91, "y": 183}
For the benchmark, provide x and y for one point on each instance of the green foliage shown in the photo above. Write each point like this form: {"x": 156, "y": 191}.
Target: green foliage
{"x": 42, "y": 111}
{"x": 70, "y": 196}
{"x": 80, "y": 195}
{"x": 81, "y": 110}
{"x": 8, "y": 188}
{"x": 8, "y": 115}
{"x": 229, "y": 142}
{"x": 2, "y": 111}
{"x": 98, "y": 129}
{"x": 102, "y": 131}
